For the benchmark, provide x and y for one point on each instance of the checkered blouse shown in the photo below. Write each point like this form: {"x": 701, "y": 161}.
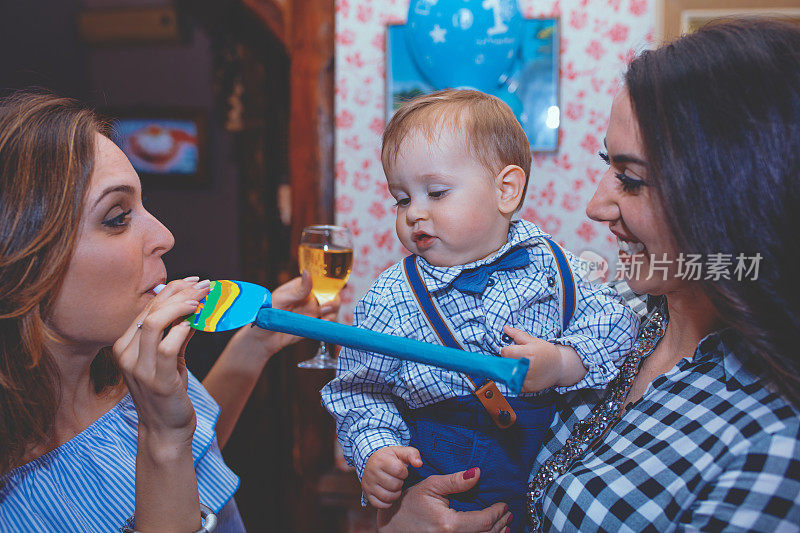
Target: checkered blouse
{"x": 710, "y": 446}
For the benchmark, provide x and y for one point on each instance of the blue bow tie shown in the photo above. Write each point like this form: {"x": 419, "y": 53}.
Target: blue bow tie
{"x": 475, "y": 280}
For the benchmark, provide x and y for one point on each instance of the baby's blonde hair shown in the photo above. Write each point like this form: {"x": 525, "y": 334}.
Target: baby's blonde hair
{"x": 492, "y": 132}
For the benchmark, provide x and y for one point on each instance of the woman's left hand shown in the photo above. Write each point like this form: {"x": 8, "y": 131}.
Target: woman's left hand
{"x": 294, "y": 296}
{"x": 426, "y": 507}
{"x": 150, "y": 355}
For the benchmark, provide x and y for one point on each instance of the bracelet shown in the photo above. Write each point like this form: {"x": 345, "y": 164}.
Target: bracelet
{"x": 207, "y": 518}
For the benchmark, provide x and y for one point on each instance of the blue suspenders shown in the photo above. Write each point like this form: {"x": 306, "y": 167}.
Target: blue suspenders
{"x": 488, "y": 394}
{"x": 423, "y": 297}
{"x": 569, "y": 292}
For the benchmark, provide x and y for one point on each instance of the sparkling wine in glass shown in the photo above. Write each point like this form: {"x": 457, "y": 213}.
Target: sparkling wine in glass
{"x": 325, "y": 252}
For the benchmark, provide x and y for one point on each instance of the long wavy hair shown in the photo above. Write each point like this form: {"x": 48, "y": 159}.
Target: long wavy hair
{"x": 47, "y": 150}
{"x": 719, "y": 114}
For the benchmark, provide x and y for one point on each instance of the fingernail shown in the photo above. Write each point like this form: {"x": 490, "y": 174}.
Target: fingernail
{"x": 510, "y": 519}
{"x": 202, "y": 285}
{"x": 505, "y": 509}
{"x": 325, "y": 310}
{"x": 192, "y": 278}
{"x": 193, "y": 303}
{"x": 469, "y": 474}
{"x": 507, "y": 530}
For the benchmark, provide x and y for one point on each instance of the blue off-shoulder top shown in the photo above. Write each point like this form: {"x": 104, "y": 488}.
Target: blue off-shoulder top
{"x": 88, "y": 483}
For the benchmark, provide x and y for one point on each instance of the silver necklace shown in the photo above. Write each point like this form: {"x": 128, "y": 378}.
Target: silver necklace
{"x": 602, "y": 417}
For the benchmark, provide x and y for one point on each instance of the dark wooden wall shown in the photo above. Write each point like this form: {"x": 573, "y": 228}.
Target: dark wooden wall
{"x": 276, "y": 58}
{"x": 311, "y": 164}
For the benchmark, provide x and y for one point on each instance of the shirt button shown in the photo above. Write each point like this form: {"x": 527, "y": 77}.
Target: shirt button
{"x": 506, "y": 338}
{"x": 490, "y": 282}
{"x": 551, "y": 281}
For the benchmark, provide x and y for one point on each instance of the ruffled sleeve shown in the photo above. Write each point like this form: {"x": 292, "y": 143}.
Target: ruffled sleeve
{"x": 216, "y": 482}
{"x": 88, "y": 483}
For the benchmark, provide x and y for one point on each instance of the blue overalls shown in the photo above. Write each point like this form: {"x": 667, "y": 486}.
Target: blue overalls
{"x": 458, "y": 434}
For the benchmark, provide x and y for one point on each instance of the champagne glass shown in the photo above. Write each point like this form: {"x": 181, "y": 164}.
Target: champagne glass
{"x": 326, "y": 252}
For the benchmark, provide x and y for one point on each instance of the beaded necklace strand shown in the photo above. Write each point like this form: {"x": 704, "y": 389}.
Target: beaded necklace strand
{"x": 590, "y": 431}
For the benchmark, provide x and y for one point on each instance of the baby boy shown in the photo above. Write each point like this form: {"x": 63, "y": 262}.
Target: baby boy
{"x": 457, "y": 163}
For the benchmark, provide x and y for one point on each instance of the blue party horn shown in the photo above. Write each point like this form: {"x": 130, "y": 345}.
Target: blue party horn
{"x": 233, "y": 304}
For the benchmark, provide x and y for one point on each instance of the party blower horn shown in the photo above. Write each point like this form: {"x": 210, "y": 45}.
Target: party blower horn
{"x": 233, "y": 304}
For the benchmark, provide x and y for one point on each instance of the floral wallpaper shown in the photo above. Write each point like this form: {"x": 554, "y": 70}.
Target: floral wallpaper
{"x": 598, "y": 38}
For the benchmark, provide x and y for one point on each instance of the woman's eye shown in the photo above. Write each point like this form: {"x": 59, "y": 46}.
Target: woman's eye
{"x": 630, "y": 184}
{"x": 437, "y": 194}
{"x": 402, "y": 202}
{"x": 118, "y": 221}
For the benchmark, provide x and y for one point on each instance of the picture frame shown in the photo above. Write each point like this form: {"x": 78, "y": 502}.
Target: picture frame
{"x": 678, "y": 17}
{"x": 533, "y": 77}
{"x": 167, "y": 146}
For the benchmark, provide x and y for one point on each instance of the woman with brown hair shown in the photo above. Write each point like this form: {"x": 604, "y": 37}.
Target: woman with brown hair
{"x": 701, "y": 429}
{"x": 90, "y": 436}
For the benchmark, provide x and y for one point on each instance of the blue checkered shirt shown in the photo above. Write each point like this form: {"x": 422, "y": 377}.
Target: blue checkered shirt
{"x": 709, "y": 447}
{"x": 364, "y": 393}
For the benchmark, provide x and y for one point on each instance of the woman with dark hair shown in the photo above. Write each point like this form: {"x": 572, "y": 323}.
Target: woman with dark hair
{"x": 701, "y": 429}
{"x": 90, "y": 436}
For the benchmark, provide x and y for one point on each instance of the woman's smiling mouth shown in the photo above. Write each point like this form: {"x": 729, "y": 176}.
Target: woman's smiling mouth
{"x": 630, "y": 247}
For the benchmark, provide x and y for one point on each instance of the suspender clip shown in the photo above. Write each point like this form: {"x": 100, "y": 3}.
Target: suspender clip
{"x": 496, "y": 405}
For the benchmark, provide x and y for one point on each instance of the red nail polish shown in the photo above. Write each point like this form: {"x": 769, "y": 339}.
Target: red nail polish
{"x": 510, "y": 519}
{"x": 469, "y": 474}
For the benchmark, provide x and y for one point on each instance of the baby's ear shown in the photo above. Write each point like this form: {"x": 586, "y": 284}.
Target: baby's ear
{"x": 510, "y": 186}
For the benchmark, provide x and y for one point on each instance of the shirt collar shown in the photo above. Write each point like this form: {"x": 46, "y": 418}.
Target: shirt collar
{"x": 723, "y": 347}
{"x": 727, "y": 349}
{"x": 519, "y": 232}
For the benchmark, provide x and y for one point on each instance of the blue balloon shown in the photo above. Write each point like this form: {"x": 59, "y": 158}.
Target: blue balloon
{"x": 464, "y": 43}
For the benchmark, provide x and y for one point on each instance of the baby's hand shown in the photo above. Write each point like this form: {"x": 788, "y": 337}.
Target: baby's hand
{"x": 384, "y": 473}
{"x": 550, "y": 364}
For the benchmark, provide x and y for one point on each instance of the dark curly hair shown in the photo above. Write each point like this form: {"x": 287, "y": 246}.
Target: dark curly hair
{"x": 719, "y": 114}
